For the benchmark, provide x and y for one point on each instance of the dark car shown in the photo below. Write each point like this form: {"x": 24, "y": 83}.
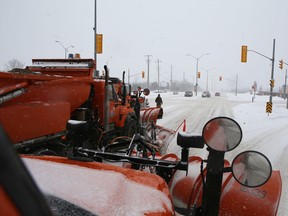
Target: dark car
{"x": 217, "y": 94}
{"x": 188, "y": 94}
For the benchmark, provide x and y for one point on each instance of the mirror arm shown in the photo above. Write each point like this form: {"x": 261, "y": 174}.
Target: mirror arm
{"x": 227, "y": 169}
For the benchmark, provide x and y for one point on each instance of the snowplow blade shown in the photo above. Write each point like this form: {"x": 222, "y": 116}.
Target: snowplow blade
{"x": 235, "y": 198}
{"x": 164, "y": 136}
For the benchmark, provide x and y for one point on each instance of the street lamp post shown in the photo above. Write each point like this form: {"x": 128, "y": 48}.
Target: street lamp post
{"x": 207, "y": 77}
{"x": 197, "y": 65}
{"x": 65, "y": 48}
{"x": 108, "y": 61}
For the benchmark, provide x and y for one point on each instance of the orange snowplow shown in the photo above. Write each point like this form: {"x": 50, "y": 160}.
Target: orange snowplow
{"x": 37, "y": 102}
{"x": 189, "y": 185}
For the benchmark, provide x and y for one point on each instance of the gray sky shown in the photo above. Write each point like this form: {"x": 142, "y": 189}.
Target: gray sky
{"x": 168, "y": 30}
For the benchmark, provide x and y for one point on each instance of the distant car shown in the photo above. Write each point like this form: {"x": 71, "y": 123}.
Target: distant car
{"x": 160, "y": 91}
{"x": 217, "y": 94}
{"x": 206, "y": 94}
{"x": 175, "y": 93}
{"x": 188, "y": 94}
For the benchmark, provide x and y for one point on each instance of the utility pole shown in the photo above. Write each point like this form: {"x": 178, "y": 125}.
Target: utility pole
{"x": 183, "y": 77}
{"x": 148, "y": 67}
{"x": 171, "y": 76}
{"x": 158, "y": 69}
{"x": 236, "y": 84}
{"x": 285, "y": 83}
{"x": 95, "y": 35}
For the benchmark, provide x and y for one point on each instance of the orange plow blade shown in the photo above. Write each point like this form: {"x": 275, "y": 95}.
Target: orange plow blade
{"x": 235, "y": 198}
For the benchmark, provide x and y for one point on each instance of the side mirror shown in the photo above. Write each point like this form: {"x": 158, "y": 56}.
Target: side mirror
{"x": 251, "y": 168}
{"x": 222, "y": 134}
{"x": 146, "y": 91}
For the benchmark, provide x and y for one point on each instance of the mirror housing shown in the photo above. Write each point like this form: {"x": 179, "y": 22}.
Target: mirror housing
{"x": 146, "y": 91}
{"x": 251, "y": 168}
{"x": 222, "y": 134}
{"x": 188, "y": 140}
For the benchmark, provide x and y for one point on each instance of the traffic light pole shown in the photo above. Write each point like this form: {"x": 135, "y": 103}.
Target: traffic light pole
{"x": 272, "y": 69}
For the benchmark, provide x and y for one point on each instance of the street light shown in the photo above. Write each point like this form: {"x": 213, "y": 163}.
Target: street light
{"x": 197, "y": 62}
{"x": 108, "y": 60}
{"x": 65, "y": 48}
{"x": 207, "y": 70}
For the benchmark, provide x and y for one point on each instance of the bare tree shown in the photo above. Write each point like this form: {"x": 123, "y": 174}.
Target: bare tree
{"x": 14, "y": 63}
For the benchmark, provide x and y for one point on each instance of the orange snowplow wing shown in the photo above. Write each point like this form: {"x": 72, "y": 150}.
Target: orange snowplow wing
{"x": 28, "y": 100}
{"x": 235, "y": 198}
{"x": 25, "y": 123}
{"x": 241, "y": 200}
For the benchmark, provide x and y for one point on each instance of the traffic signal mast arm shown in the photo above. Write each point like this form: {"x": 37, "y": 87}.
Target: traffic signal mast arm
{"x": 142, "y": 74}
{"x": 221, "y": 78}
{"x": 261, "y": 54}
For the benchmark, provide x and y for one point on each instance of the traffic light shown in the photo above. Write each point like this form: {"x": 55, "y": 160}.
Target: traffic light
{"x": 272, "y": 83}
{"x": 143, "y": 74}
{"x": 220, "y": 78}
{"x": 198, "y": 75}
{"x": 281, "y": 64}
{"x": 244, "y": 54}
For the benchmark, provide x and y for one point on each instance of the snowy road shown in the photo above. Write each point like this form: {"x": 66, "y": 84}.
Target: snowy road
{"x": 196, "y": 111}
{"x": 261, "y": 132}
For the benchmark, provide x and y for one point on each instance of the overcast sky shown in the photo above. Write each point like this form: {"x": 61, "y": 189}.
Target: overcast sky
{"x": 168, "y": 30}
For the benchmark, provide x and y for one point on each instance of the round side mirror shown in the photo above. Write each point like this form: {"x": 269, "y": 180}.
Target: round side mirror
{"x": 251, "y": 168}
{"x": 222, "y": 134}
{"x": 146, "y": 91}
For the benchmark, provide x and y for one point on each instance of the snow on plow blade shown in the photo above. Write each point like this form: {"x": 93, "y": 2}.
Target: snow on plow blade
{"x": 235, "y": 198}
{"x": 101, "y": 189}
{"x": 164, "y": 136}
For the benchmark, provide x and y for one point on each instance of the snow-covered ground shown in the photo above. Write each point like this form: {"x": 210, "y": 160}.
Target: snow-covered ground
{"x": 265, "y": 133}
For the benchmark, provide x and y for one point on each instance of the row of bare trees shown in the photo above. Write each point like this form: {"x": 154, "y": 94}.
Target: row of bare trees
{"x": 14, "y": 63}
